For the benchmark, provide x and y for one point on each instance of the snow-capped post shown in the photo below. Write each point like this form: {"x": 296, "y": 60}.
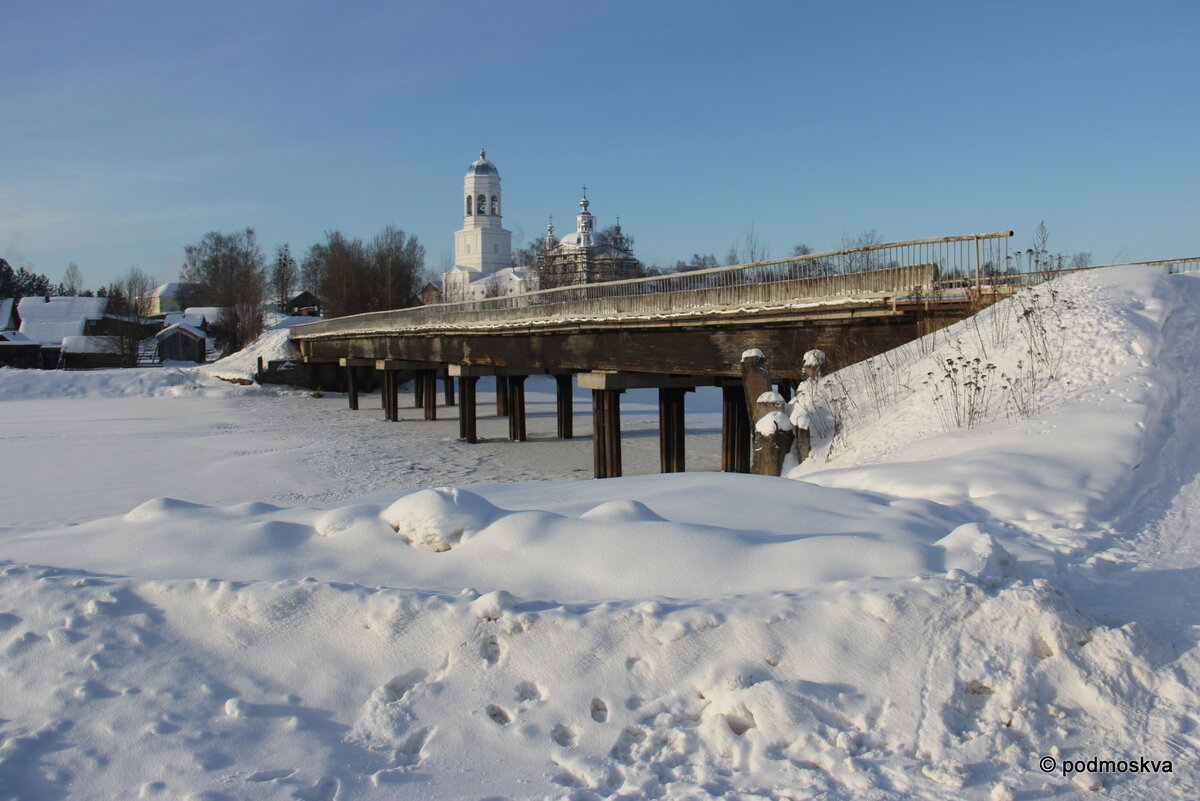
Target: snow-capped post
{"x": 814, "y": 364}
{"x": 772, "y": 429}
{"x": 814, "y": 368}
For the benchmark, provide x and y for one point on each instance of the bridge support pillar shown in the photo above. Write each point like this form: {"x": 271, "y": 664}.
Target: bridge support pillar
{"x": 565, "y": 407}
{"x": 671, "y": 430}
{"x": 351, "y": 370}
{"x": 467, "y": 430}
{"x": 502, "y": 396}
{"x": 448, "y": 381}
{"x": 352, "y": 388}
{"x": 516, "y": 408}
{"x": 427, "y": 392}
{"x": 391, "y": 395}
{"x": 735, "y": 431}
{"x": 606, "y": 432}
{"x": 391, "y": 369}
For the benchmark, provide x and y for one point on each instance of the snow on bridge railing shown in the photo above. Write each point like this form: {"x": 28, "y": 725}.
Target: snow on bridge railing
{"x": 898, "y": 269}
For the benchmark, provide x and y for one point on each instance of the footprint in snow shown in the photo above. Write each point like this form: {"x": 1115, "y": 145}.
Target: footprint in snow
{"x": 599, "y": 710}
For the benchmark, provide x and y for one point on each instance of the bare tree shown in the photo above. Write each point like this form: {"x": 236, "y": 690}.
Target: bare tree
{"x": 398, "y": 265}
{"x": 1081, "y": 260}
{"x": 755, "y": 247}
{"x": 230, "y": 271}
{"x": 283, "y": 276}
{"x": 861, "y": 260}
{"x": 72, "y": 282}
{"x": 351, "y": 278}
{"x": 128, "y": 313}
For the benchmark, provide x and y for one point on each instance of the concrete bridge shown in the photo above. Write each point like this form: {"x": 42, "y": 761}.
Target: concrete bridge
{"x": 671, "y": 333}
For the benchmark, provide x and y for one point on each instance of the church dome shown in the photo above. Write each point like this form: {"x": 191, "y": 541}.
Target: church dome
{"x": 481, "y": 166}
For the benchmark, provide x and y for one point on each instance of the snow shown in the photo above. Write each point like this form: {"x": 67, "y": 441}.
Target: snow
{"x": 90, "y": 345}
{"x": 50, "y": 320}
{"x": 193, "y": 320}
{"x": 772, "y": 422}
{"x": 273, "y": 345}
{"x": 210, "y": 590}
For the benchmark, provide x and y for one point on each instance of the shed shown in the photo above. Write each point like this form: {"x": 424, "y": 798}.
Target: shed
{"x": 18, "y": 350}
{"x": 181, "y": 343}
{"x": 306, "y": 304}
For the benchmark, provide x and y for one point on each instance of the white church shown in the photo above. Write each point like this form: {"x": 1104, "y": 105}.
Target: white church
{"x": 482, "y": 247}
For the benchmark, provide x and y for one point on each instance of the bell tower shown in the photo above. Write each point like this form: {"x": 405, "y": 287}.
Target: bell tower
{"x": 482, "y": 245}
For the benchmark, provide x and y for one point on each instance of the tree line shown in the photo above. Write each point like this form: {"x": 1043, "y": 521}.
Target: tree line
{"x": 231, "y": 272}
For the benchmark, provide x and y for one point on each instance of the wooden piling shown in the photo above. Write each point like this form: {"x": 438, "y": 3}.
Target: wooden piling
{"x": 606, "y": 432}
{"x": 516, "y": 408}
{"x": 671, "y": 430}
{"x": 735, "y": 431}
{"x": 501, "y": 396}
{"x": 467, "y": 415}
{"x": 391, "y": 393}
{"x": 428, "y": 381}
{"x": 565, "y": 407}
{"x": 352, "y": 386}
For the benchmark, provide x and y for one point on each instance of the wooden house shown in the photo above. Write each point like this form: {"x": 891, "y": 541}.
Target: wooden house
{"x": 306, "y": 304}
{"x": 181, "y": 343}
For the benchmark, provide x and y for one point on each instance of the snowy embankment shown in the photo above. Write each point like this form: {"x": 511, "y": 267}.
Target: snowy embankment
{"x": 272, "y": 345}
{"x": 925, "y": 614}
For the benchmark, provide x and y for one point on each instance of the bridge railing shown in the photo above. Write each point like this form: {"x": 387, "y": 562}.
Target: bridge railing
{"x": 1037, "y": 276}
{"x": 898, "y": 269}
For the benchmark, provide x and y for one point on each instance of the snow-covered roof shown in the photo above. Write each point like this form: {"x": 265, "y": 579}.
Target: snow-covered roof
{"x": 62, "y": 307}
{"x": 191, "y": 331}
{"x": 169, "y": 290}
{"x": 174, "y": 318}
{"x": 14, "y": 336}
{"x": 6, "y": 309}
{"x": 207, "y": 312}
{"x": 90, "y": 345}
{"x": 49, "y": 322}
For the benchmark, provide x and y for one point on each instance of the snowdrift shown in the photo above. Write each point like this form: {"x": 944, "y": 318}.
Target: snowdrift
{"x": 917, "y": 613}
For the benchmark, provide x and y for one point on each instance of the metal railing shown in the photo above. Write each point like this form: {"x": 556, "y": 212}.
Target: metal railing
{"x": 897, "y": 269}
{"x": 1039, "y": 275}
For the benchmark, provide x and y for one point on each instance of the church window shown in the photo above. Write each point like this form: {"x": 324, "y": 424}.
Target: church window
{"x": 468, "y": 205}
{"x": 495, "y": 205}
{"x": 481, "y": 206}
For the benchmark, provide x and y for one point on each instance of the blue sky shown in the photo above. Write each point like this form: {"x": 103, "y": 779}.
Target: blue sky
{"x": 130, "y": 129}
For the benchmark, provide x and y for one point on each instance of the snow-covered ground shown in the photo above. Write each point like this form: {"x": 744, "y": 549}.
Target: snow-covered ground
{"x": 217, "y": 591}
